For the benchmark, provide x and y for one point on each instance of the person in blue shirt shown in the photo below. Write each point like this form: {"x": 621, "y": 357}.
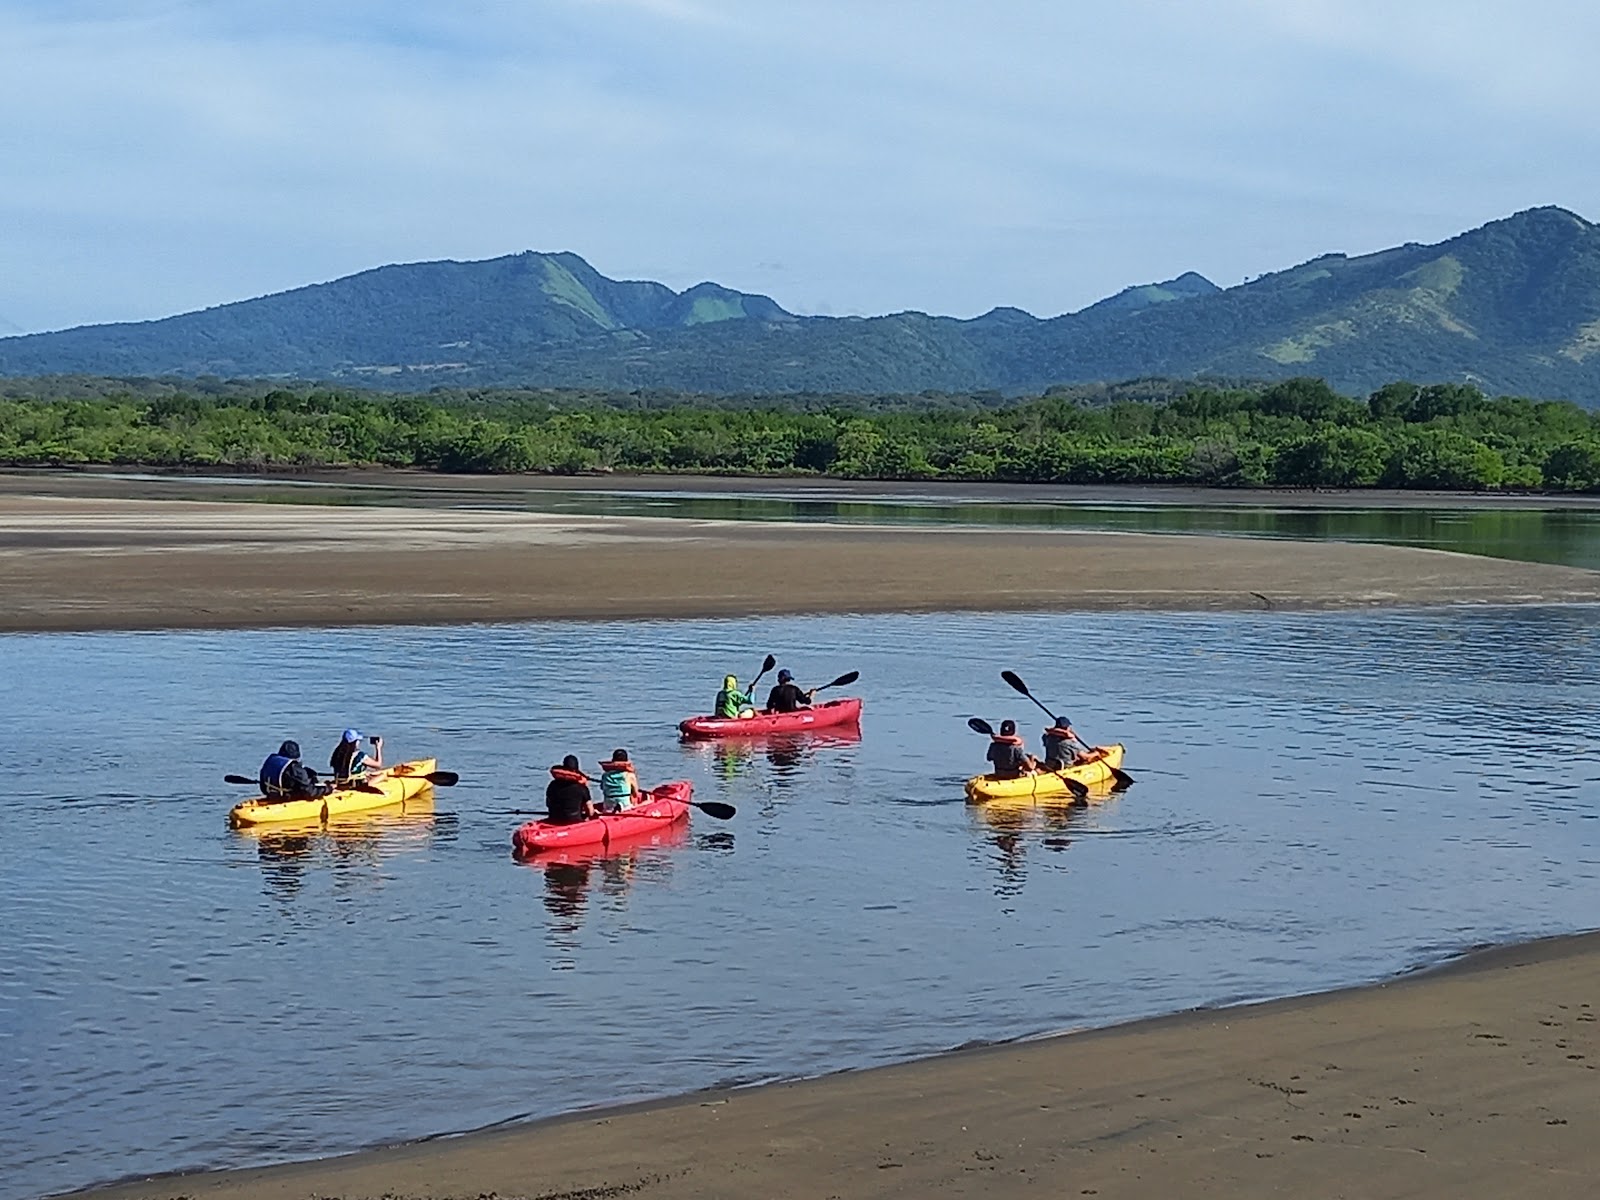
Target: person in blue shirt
{"x": 350, "y": 763}
{"x": 284, "y": 777}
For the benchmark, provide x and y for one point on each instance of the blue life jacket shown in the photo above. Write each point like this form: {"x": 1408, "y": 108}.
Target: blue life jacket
{"x": 271, "y": 778}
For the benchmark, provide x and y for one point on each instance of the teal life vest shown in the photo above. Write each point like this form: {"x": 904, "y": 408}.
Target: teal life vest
{"x": 617, "y": 785}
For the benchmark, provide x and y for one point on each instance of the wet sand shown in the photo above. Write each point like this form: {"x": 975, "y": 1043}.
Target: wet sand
{"x": 1474, "y": 1080}
{"x": 72, "y": 562}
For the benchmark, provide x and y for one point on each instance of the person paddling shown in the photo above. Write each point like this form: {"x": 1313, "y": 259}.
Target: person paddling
{"x": 284, "y": 777}
{"x": 1061, "y": 744}
{"x": 786, "y": 697}
{"x": 566, "y": 797}
{"x": 350, "y": 763}
{"x": 1006, "y": 753}
{"x": 734, "y": 701}
{"x": 619, "y": 785}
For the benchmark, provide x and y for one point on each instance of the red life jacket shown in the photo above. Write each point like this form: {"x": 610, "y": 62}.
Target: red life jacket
{"x": 572, "y": 776}
{"x": 1006, "y": 739}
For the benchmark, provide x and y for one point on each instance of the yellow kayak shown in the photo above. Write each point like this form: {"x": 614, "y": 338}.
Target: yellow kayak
{"x": 395, "y": 785}
{"x": 1089, "y": 768}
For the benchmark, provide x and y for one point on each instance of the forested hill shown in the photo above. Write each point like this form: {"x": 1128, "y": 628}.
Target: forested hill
{"x": 1511, "y": 307}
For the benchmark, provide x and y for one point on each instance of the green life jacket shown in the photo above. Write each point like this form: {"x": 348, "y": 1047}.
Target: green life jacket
{"x": 731, "y": 702}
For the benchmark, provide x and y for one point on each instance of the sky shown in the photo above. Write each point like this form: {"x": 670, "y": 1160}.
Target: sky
{"x": 841, "y": 156}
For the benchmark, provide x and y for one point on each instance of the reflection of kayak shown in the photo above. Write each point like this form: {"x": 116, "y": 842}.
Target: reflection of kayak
{"x": 1090, "y": 768}
{"x": 822, "y": 716}
{"x": 667, "y": 804}
{"x": 394, "y": 785}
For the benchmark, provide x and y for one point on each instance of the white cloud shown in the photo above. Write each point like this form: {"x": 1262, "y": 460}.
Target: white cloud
{"x": 932, "y": 154}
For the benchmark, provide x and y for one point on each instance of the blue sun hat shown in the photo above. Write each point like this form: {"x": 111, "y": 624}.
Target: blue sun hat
{"x": 352, "y": 735}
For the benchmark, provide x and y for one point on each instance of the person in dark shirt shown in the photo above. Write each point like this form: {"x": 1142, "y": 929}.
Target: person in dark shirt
{"x": 284, "y": 777}
{"x": 566, "y": 797}
{"x": 1061, "y": 744}
{"x": 1006, "y": 753}
{"x": 350, "y": 763}
{"x": 786, "y": 697}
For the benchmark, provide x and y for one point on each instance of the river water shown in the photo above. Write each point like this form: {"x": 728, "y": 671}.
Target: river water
{"x": 1322, "y": 799}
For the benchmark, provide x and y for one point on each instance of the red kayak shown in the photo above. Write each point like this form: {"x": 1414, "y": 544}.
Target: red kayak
{"x": 821, "y": 716}
{"x": 665, "y": 805}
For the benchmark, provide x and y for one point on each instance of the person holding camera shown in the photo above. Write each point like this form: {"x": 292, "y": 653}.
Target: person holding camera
{"x": 350, "y": 763}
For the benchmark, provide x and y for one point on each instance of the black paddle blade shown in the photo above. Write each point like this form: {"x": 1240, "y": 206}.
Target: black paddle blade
{"x": 1079, "y": 790}
{"x": 366, "y": 787}
{"x": 1121, "y": 780}
{"x": 715, "y": 808}
{"x": 848, "y": 677}
{"x": 979, "y": 725}
{"x": 442, "y": 778}
{"x": 240, "y": 779}
{"x": 1015, "y": 681}
{"x": 768, "y": 663}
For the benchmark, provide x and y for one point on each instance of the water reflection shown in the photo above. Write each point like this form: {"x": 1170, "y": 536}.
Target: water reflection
{"x": 570, "y": 874}
{"x": 1016, "y": 826}
{"x": 353, "y": 845}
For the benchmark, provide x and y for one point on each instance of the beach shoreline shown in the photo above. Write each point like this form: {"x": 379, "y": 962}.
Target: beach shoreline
{"x": 1470, "y": 1077}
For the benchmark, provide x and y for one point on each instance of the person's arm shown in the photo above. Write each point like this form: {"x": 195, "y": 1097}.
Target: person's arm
{"x": 375, "y": 763}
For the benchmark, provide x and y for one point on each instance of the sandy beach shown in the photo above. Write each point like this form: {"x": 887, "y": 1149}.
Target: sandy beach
{"x": 1475, "y": 1080}
{"x": 75, "y": 562}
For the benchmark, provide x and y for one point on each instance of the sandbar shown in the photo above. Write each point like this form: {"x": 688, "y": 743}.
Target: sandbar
{"x": 1477, "y": 1079}
{"x": 86, "y": 563}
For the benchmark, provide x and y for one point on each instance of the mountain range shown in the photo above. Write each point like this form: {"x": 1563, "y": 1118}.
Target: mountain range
{"x": 1513, "y": 306}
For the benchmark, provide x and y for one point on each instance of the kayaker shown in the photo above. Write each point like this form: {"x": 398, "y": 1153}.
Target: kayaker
{"x": 1006, "y": 752}
{"x": 349, "y": 762}
{"x": 619, "y": 785}
{"x": 284, "y": 777}
{"x": 1060, "y": 744}
{"x": 566, "y": 797}
{"x": 786, "y": 697}
{"x": 734, "y": 701}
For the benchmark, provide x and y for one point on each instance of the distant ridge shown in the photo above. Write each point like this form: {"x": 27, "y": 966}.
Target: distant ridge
{"x": 1513, "y": 306}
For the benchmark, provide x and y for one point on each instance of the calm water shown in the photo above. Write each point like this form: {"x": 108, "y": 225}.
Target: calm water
{"x": 1322, "y": 799}
{"x": 1569, "y": 536}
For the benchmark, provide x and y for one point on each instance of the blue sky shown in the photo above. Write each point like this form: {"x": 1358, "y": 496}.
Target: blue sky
{"x": 843, "y": 156}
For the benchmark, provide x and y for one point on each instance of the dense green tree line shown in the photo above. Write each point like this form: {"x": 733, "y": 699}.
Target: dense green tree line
{"x": 1295, "y": 433}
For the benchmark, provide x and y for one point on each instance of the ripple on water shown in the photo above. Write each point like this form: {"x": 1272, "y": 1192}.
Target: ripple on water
{"x": 1322, "y": 799}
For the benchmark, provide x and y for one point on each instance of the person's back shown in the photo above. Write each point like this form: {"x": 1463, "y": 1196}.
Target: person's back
{"x": 732, "y": 700}
{"x": 1059, "y": 744}
{"x": 348, "y": 761}
{"x": 566, "y": 796}
{"x": 786, "y": 697}
{"x": 1006, "y": 754}
{"x": 284, "y": 777}
{"x": 619, "y": 783}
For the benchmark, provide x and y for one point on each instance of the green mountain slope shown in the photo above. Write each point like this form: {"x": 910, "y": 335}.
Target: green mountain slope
{"x": 1513, "y": 306}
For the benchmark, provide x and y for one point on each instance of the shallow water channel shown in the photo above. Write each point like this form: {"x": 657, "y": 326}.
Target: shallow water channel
{"x": 1321, "y": 799}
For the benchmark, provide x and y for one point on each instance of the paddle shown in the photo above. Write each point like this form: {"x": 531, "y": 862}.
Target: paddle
{"x": 359, "y": 787}
{"x": 1077, "y": 788}
{"x": 437, "y": 778}
{"x": 1120, "y": 779}
{"x": 847, "y": 678}
{"x": 766, "y": 665}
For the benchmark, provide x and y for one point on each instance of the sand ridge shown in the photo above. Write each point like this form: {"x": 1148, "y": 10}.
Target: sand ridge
{"x": 76, "y": 563}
